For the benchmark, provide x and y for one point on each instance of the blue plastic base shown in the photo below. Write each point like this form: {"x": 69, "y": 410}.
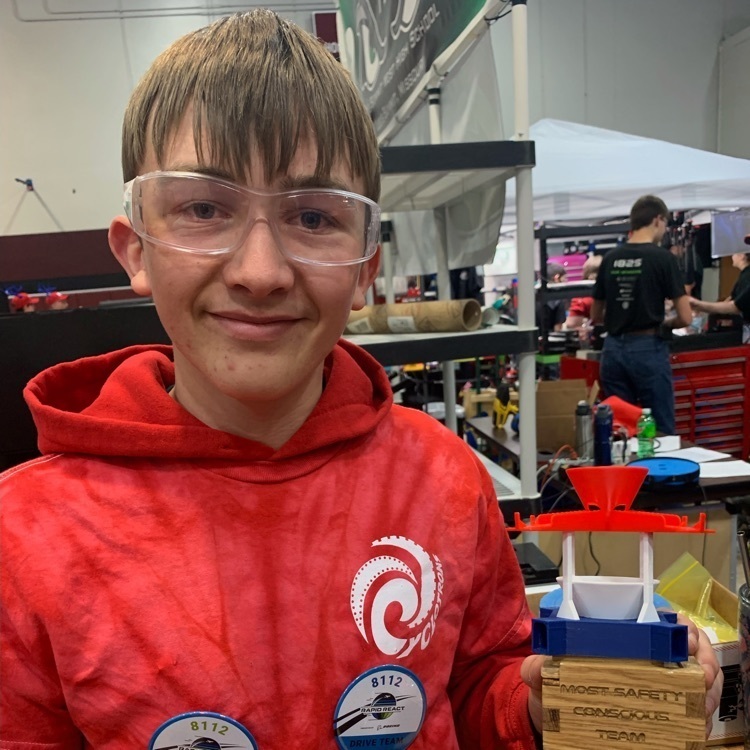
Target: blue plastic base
{"x": 613, "y": 639}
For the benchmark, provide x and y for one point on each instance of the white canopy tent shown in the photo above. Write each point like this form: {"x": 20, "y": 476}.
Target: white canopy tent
{"x": 585, "y": 173}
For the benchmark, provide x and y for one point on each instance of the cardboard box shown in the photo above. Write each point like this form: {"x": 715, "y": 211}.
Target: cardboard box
{"x": 728, "y": 719}
{"x": 556, "y": 402}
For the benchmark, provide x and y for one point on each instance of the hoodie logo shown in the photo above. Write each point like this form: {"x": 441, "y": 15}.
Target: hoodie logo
{"x": 408, "y": 576}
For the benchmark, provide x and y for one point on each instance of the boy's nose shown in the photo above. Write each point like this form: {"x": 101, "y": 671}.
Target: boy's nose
{"x": 259, "y": 264}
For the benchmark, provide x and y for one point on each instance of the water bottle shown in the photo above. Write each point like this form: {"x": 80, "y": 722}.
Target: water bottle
{"x": 603, "y": 419}
{"x": 646, "y": 431}
{"x": 584, "y": 431}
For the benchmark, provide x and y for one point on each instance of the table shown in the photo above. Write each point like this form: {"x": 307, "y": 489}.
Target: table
{"x": 504, "y": 439}
{"x": 731, "y": 493}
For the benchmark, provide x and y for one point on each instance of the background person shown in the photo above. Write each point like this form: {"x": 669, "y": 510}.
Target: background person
{"x": 551, "y": 312}
{"x": 738, "y": 301}
{"x": 632, "y": 284}
{"x": 579, "y": 311}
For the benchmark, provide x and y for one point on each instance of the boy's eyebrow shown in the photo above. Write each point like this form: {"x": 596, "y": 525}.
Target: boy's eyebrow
{"x": 288, "y": 182}
{"x": 203, "y": 169}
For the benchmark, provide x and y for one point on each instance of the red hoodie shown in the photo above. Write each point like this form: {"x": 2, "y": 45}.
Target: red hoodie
{"x": 153, "y": 566}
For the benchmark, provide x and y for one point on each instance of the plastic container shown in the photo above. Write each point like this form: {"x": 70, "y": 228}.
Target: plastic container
{"x": 584, "y": 431}
{"x": 608, "y": 597}
{"x": 603, "y": 419}
{"x": 646, "y": 432}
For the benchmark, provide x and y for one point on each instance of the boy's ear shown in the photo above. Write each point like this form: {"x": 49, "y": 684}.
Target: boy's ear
{"x": 127, "y": 248}
{"x": 368, "y": 272}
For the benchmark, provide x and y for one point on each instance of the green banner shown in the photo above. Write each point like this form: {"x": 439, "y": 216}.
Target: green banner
{"x": 389, "y": 45}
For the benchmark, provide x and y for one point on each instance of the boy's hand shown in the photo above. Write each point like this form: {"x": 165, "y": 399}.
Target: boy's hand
{"x": 531, "y": 674}
{"x": 698, "y": 646}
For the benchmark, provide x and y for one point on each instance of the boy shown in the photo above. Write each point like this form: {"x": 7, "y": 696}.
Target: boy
{"x": 633, "y": 281}
{"x": 550, "y": 315}
{"x": 239, "y": 541}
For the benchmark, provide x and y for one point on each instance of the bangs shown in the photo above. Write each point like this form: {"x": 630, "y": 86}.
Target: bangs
{"x": 257, "y": 86}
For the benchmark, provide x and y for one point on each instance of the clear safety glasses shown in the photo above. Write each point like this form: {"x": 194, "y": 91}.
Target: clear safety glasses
{"x": 205, "y": 215}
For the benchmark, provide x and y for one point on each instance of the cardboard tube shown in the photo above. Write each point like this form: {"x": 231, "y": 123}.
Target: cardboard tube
{"x": 359, "y": 321}
{"x": 490, "y": 316}
{"x": 417, "y": 317}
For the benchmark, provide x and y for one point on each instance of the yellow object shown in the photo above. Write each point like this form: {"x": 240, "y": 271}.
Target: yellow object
{"x": 687, "y": 585}
{"x": 502, "y": 407}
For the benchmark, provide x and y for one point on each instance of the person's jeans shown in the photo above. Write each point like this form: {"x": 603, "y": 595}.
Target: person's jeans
{"x": 636, "y": 369}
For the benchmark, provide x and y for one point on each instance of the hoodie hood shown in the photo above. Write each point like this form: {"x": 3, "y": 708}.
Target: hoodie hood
{"x": 117, "y": 405}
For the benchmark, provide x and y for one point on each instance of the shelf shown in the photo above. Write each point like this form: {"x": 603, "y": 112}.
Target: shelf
{"x": 405, "y": 348}
{"x": 575, "y": 232}
{"x": 566, "y": 290}
{"x": 417, "y": 178}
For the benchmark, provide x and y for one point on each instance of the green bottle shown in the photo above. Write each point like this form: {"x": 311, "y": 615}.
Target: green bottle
{"x": 646, "y": 430}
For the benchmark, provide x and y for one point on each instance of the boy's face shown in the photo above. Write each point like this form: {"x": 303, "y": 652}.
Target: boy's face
{"x": 249, "y": 325}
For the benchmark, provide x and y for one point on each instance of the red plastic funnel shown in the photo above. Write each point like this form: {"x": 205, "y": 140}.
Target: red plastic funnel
{"x": 607, "y": 487}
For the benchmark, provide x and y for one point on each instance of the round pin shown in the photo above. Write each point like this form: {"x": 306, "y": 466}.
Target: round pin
{"x": 384, "y": 707}
{"x": 202, "y": 730}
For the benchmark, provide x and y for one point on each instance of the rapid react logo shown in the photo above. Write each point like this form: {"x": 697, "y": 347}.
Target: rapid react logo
{"x": 408, "y": 576}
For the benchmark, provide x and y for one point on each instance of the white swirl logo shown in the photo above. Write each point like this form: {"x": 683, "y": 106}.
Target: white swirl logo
{"x": 386, "y": 580}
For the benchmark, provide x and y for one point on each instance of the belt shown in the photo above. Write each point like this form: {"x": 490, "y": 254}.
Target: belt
{"x": 642, "y": 332}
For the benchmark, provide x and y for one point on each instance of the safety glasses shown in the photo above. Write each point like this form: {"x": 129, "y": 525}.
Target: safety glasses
{"x": 206, "y": 215}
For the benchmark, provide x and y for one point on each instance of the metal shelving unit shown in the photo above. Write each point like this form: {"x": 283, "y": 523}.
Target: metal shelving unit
{"x": 429, "y": 177}
{"x": 399, "y": 349}
{"x": 419, "y": 178}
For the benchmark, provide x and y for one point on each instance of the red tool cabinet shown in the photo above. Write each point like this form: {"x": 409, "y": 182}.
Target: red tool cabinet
{"x": 712, "y": 403}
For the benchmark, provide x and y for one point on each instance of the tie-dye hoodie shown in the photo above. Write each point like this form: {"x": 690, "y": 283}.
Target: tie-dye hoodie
{"x": 153, "y": 566}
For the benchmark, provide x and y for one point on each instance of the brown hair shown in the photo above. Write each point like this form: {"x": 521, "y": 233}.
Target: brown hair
{"x": 645, "y": 210}
{"x": 253, "y": 80}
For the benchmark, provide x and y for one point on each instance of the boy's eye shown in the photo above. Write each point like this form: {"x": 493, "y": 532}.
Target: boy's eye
{"x": 311, "y": 219}
{"x": 203, "y": 210}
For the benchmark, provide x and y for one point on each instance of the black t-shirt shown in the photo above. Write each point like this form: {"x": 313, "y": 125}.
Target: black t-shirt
{"x": 741, "y": 294}
{"x": 552, "y": 313}
{"x": 633, "y": 281}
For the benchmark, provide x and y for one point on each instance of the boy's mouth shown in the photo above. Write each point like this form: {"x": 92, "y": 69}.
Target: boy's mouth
{"x": 251, "y": 327}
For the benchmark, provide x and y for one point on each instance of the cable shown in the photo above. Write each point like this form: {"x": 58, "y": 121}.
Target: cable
{"x": 591, "y": 550}
{"x": 551, "y": 463}
{"x": 503, "y": 12}
{"x": 126, "y": 48}
{"x": 703, "y": 491}
{"x": 559, "y": 497}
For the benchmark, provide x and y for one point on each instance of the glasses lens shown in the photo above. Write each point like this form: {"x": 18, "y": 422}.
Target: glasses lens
{"x": 204, "y": 215}
{"x": 325, "y": 226}
{"x": 194, "y": 213}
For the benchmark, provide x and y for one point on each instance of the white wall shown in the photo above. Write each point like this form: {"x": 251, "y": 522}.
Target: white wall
{"x": 734, "y": 95}
{"x": 647, "y": 67}
{"x": 64, "y": 85}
